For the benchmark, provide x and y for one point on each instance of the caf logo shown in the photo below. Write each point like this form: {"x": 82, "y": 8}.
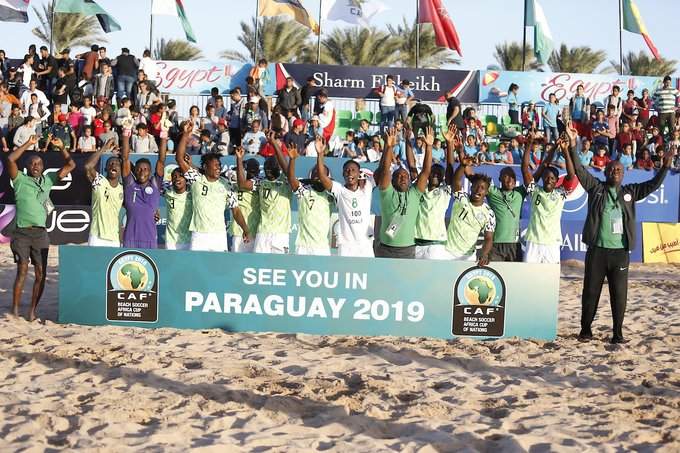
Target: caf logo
{"x": 479, "y": 303}
{"x": 132, "y": 288}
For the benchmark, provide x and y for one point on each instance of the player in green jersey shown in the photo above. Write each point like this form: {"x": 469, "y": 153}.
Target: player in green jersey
{"x": 179, "y": 210}
{"x": 107, "y": 198}
{"x": 315, "y": 203}
{"x": 211, "y": 194}
{"x": 248, "y": 203}
{"x": 544, "y": 234}
{"x": 430, "y": 234}
{"x": 470, "y": 215}
{"x": 275, "y": 196}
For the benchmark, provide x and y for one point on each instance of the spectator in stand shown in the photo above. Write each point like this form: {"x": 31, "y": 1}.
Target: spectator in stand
{"x": 269, "y": 150}
{"x": 254, "y": 139}
{"x": 148, "y": 65}
{"x": 644, "y": 104}
{"x": 109, "y": 136}
{"x": 143, "y": 142}
{"x": 655, "y": 140}
{"x": 674, "y": 141}
{"x": 550, "y": 112}
{"x": 87, "y": 143}
{"x": 585, "y": 155}
{"x": 638, "y": 135}
{"x": 4, "y": 65}
{"x": 126, "y": 66}
{"x": 645, "y": 161}
{"x": 306, "y": 94}
{"x": 236, "y": 112}
{"x": 33, "y": 89}
{"x": 536, "y": 153}
{"x": 62, "y": 131}
{"x": 516, "y": 151}
{"x": 657, "y": 157}
{"x": 665, "y": 101}
{"x": 88, "y": 112}
{"x": 260, "y": 76}
{"x": 601, "y": 160}
{"x": 513, "y": 103}
{"x": 289, "y": 97}
{"x": 503, "y": 156}
{"x": 484, "y": 155}
{"x": 614, "y": 100}
{"x": 579, "y": 105}
{"x": 279, "y": 122}
{"x": 38, "y": 111}
{"x": 325, "y": 110}
{"x": 297, "y": 135}
{"x": 103, "y": 82}
{"x": 625, "y": 137}
{"x": 14, "y": 122}
{"x": 600, "y": 131}
{"x": 24, "y": 133}
{"x": 48, "y": 71}
{"x": 221, "y": 138}
{"x": 530, "y": 118}
{"x": 363, "y": 131}
{"x": 209, "y": 121}
{"x": 220, "y": 110}
{"x": 454, "y": 114}
{"x": 25, "y": 74}
{"x": 471, "y": 148}
{"x": 90, "y": 62}
{"x": 473, "y": 126}
{"x": 145, "y": 98}
{"x": 626, "y": 157}
{"x": 630, "y": 109}
{"x": 253, "y": 112}
{"x": 612, "y": 128}
{"x": 404, "y": 96}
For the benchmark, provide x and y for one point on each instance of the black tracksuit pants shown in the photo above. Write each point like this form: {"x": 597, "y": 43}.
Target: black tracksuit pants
{"x": 601, "y": 263}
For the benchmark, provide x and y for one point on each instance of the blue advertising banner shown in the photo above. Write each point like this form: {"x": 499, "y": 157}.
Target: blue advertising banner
{"x": 537, "y": 86}
{"x": 306, "y": 294}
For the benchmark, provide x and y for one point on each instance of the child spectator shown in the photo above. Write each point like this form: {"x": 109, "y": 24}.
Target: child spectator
{"x": 601, "y": 160}
{"x": 471, "y": 148}
{"x": 143, "y": 143}
{"x": 88, "y": 111}
{"x": 87, "y": 143}
{"x": 254, "y": 139}
{"x": 585, "y": 154}
{"x": 626, "y": 158}
{"x": 645, "y": 161}
{"x": 600, "y": 131}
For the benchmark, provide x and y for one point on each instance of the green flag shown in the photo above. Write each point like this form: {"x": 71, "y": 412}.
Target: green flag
{"x": 87, "y": 8}
{"x": 543, "y": 43}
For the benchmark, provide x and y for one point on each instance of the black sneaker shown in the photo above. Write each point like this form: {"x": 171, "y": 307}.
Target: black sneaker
{"x": 618, "y": 340}
{"x": 585, "y": 336}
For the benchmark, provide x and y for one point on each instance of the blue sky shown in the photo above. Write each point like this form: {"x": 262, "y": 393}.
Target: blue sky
{"x": 480, "y": 24}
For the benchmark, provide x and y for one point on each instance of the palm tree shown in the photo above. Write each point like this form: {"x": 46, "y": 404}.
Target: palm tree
{"x": 360, "y": 47}
{"x": 175, "y": 49}
{"x": 577, "y": 59}
{"x": 278, "y": 40}
{"x": 70, "y": 30}
{"x": 643, "y": 64}
{"x": 509, "y": 57}
{"x": 431, "y": 56}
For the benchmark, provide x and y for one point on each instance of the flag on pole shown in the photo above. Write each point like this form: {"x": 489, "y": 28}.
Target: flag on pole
{"x": 88, "y": 8}
{"x": 355, "y": 12}
{"x": 632, "y": 22}
{"x": 14, "y": 10}
{"x": 288, "y": 8}
{"x": 174, "y": 8}
{"x": 543, "y": 41}
{"x": 433, "y": 12}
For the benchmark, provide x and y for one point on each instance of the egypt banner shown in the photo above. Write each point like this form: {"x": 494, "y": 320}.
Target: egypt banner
{"x": 430, "y": 85}
{"x": 661, "y": 242}
{"x": 244, "y": 292}
{"x": 537, "y": 86}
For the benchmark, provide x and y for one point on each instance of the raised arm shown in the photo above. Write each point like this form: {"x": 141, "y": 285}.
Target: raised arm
{"x": 457, "y": 180}
{"x": 125, "y": 153}
{"x": 290, "y": 167}
{"x": 91, "y": 163}
{"x": 587, "y": 180}
{"x": 69, "y": 164}
{"x": 384, "y": 176}
{"x": 276, "y": 144}
{"x": 424, "y": 176}
{"x": 526, "y": 171}
{"x": 569, "y": 162}
{"x": 452, "y": 143}
{"x": 641, "y": 190}
{"x": 13, "y": 158}
{"x": 326, "y": 181}
{"x": 241, "y": 180}
{"x": 547, "y": 159}
{"x": 162, "y": 152}
{"x": 180, "y": 153}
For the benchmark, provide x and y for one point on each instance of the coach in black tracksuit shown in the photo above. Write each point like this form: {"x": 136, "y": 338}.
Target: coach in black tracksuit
{"x": 609, "y": 233}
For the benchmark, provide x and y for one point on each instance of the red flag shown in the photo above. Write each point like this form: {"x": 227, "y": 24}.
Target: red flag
{"x": 433, "y": 12}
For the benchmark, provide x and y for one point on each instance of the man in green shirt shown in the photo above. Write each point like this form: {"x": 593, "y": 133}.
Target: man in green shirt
{"x": 211, "y": 195}
{"x": 273, "y": 230}
{"x": 315, "y": 204}
{"x": 470, "y": 215}
{"x": 179, "y": 210}
{"x": 430, "y": 234}
{"x": 107, "y": 199}
{"x": 399, "y": 200}
{"x": 33, "y": 205}
{"x": 249, "y": 204}
{"x": 506, "y": 203}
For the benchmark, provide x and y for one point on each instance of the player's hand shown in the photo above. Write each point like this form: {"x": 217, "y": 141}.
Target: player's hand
{"x": 246, "y": 237}
{"x": 293, "y": 151}
{"x": 467, "y": 161}
{"x": 187, "y": 128}
{"x": 451, "y": 133}
{"x": 429, "y": 136}
{"x": 483, "y": 260}
{"x": 320, "y": 145}
{"x": 110, "y": 143}
{"x": 239, "y": 151}
{"x": 271, "y": 138}
{"x": 390, "y": 137}
{"x": 32, "y": 140}
{"x": 157, "y": 216}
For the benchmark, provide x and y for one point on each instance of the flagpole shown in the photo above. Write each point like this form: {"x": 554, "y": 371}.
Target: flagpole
{"x": 151, "y": 28}
{"x": 621, "y": 37}
{"x": 54, "y": 7}
{"x": 417, "y": 33}
{"x": 524, "y": 37}
{"x": 318, "y": 38}
{"x": 257, "y": 21}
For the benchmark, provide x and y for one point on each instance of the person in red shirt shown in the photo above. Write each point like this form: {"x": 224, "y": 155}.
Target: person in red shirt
{"x": 268, "y": 149}
{"x": 155, "y": 120}
{"x": 91, "y": 62}
{"x": 644, "y": 103}
{"x": 625, "y": 137}
{"x": 601, "y": 160}
{"x": 630, "y": 109}
{"x": 645, "y": 161}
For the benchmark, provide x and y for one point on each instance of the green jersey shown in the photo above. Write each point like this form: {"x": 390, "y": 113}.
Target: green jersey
{"x": 507, "y": 207}
{"x": 315, "y": 217}
{"x": 180, "y": 209}
{"x": 546, "y": 213}
{"x": 275, "y": 212}
{"x": 431, "y": 223}
{"x": 466, "y": 224}
{"x": 611, "y": 233}
{"x": 399, "y": 211}
{"x": 106, "y": 203}
{"x": 209, "y": 200}
{"x": 32, "y": 197}
{"x": 249, "y": 205}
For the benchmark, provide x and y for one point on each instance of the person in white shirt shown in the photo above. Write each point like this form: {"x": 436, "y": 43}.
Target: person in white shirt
{"x": 355, "y": 234}
{"x": 38, "y": 111}
{"x": 326, "y": 113}
{"x": 143, "y": 142}
{"x": 149, "y": 66}
{"x": 26, "y": 70}
{"x": 87, "y": 143}
{"x": 388, "y": 103}
{"x": 253, "y": 140}
{"x": 88, "y": 111}
{"x": 24, "y": 132}
{"x": 33, "y": 89}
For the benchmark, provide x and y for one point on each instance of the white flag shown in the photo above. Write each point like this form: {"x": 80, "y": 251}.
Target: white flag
{"x": 164, "y": 8}
{"x": 356, "y": 12}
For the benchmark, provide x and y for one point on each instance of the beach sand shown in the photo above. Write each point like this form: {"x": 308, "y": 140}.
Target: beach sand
{"x": 121, "y": 389}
